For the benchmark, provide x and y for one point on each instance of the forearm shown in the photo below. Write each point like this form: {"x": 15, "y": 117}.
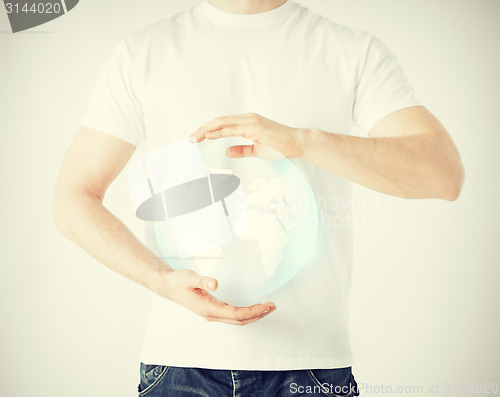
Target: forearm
{"x": 412, "y": 156}
{"x": 414, "y": 166}
{"x": 94, "y": 159}
{"x": 82, "y": 218}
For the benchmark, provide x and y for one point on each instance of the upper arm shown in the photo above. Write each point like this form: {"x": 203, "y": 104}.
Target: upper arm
{"x": 93, "y": 160}
{"x": 413, "y": 120}
{"x": 429, "y": 141}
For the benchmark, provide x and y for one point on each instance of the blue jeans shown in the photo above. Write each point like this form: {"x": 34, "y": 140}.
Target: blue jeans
{"x": 163, "y": 381}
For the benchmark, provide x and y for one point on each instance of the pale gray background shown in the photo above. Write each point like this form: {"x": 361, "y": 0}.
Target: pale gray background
{"x": 425, "y": 294}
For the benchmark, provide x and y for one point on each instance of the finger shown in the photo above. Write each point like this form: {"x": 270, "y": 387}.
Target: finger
{"x": 240, "y": 151}
{"x": 235, "y": 130}
{"x": 240, "y": 322}
{"x": 217, "y": 124}
{"x": 225, "y": 121}
{"x": 239, "y": 314}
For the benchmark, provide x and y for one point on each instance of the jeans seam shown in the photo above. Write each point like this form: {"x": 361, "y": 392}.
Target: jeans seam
{"x": 326, "y": 393}
{"x": 234, "y": 383}
{"x": 155, "y": 383}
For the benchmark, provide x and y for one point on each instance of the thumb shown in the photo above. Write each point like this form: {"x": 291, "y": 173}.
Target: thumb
{"x": 210, "y": 284}
{"x": 207, "y": 283}
{"x": 194, "y": 280}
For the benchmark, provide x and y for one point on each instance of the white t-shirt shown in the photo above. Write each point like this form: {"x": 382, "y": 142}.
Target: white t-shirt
{"x": 289, "y": 65}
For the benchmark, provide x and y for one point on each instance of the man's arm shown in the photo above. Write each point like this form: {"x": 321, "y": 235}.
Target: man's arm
{"x": 93, "y": 161}
{"x": 408, "y": 153}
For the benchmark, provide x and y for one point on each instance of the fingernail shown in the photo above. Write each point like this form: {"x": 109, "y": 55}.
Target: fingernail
{"x": 192, "y": 139}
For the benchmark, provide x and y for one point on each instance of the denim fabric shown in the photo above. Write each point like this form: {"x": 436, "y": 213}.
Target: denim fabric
{"x": 163, "y": 381}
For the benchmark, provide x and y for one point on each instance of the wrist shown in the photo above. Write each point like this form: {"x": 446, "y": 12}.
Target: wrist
{"x": 157, "y": 276}
{"x": 306, "y": 139}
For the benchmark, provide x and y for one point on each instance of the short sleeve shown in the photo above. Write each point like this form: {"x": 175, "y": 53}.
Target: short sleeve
{"x": 382, "y": 87}
{"x": 115, "y": 106}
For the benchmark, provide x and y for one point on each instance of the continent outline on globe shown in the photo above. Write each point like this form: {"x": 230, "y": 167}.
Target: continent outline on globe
{"x": 236, "y": 220}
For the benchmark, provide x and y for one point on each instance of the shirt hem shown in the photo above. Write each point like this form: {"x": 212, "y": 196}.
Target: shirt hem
{"x": 375, "y": 117}
{"x": 251, "y": 364}
{"x": 110, "y": 129}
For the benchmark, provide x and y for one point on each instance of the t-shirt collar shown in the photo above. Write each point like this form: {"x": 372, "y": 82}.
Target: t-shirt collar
{"x": 228, "y": 19}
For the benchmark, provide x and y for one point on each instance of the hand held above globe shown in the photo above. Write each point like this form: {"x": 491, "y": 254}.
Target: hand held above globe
{"x": 193, "y": 292}
{"x": 267, "y": 136}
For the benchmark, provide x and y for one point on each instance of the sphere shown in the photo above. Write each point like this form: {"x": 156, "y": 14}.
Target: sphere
{"x": 249, "y": 223}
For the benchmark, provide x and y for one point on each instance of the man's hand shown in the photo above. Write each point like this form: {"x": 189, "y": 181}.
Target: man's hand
{"x": 192, "y": 291}
{"x": 92, "y": 162}
{"x": 267, "y": 135}
{"x": 408, "y": 152}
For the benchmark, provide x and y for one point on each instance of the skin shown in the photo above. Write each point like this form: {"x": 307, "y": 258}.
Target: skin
{"x": 92, "y": 162}
{"x": 408, "y": 154}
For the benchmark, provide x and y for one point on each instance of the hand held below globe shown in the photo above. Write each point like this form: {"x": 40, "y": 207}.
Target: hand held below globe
{"x": 193, "y": 292}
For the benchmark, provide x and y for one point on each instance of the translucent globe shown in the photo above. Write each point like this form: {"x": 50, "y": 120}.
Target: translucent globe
{"x": 260, "y": 229}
